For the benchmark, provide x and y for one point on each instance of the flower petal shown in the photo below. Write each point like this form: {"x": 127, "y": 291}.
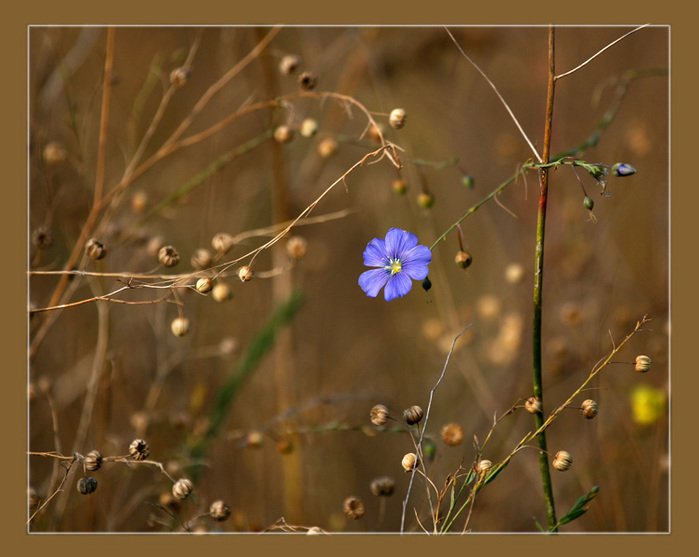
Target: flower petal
{"x": 373, "y": 281}
{"x": 375, "y": 253}
{"x": 398, "y": 242}
{"x": 397, "y": 286}
{"x": 415, "y": 262}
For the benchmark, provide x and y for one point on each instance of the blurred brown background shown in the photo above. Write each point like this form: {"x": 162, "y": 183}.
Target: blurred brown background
{"x": 346, "y": 352}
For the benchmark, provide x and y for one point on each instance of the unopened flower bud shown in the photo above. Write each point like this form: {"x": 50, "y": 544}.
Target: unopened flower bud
{"x": 426, "y": 284}
{"x": 201, "y": 259}
{"x": 309, "y": 127}
{"x": 643, "y": 363}
{"x": 168, "y": 256}
{"x": 289, "y": 63}
{"x": 463, "y": 259}
{"x": 383, "y": 486}
{"x": 139, "y": 450}
{"x": 182, "y": 488}
{"x": 562, "y": 461}
{"x": 93, "y": 461}
{"x": 87, "y": 485}
{"x": 95, "y": 250}
{"x": 219, "y": 511}
{"x": 379, "y": 415}
{"x": 353, "y": 507}
{"x": 283, "y": 134}
{"x": 397, "y": 118}
{"x": 452, "y": 434}
{"x": 425, "y": 200}
{"x": 400, "y": 186}
{"x": 589, "y": 408}
{"x": 410, "y": 462}
{"x": 204, "y": 285}
{"x": 622, "y": 169}
{"x": 179, "y": 326}
{"x": 245, "y": 273}
{"x": 533, "y": 405}
{"x": 412, "y": 415}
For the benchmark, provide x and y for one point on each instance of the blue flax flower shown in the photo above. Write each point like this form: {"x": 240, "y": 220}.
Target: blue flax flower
{"x": 400, "y": 260}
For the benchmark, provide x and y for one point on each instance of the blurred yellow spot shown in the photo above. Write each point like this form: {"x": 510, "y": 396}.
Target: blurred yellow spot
{"x": 647, "y": 404}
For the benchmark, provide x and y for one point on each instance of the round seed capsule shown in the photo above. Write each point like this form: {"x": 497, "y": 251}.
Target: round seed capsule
{"x": 308, "y": 81}
{"x": 410, "y": 462}
{"x": 219, "y": 511}
{"x": 397, "y": 118}
{"x": 204, "y": 285}
{"x": 412, "y": 415}
{"x": 383, "y": 486}
{"x": 182, "y": 488}
{"x": 533, "y": 405}
{"x": 296, "y": 247}
{"x": 87, "y": 485}
{"x": 54, "y": 153}
{"x": 463, "y": 259}
{"x": 400, "y": 186}
{"x": 289, "y": 63}
{"x": 139, "y": 450}
{"x": 201, "y": 259}
{"x": 95, "y": 250}
{"x": 484, "y": 465}
{"x": 425, "y": 200}
{"x": 589, "y": 408}
{"x": 353, "y": 507}
{"x": 452, "y": 435}
{"x": 222, "y": 242}
{"x": 379, "y": 415}
{"x": 309, "y": 127}
{"x": 643, "y": 363}
{"x": 93, "y": 461}
{"x": 221, "y": 292}
{"x": 168, "y": 256}
{"x": 588, "y": 203}
{"x": 283, "y": 134}
{"x": 42, "y": 238}
{"x": 562, "y": 461}
{"x": 327, "y": 147}
{"x": 179, "y": 326}
{"x": 245, "y": 273}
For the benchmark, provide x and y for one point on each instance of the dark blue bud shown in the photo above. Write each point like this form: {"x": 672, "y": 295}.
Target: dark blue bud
{"x": 427, "y": 284}
{"x": 622, "y": 169}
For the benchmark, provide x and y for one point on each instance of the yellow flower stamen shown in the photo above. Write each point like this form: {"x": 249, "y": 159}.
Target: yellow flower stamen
{"x": 395, "y": 267}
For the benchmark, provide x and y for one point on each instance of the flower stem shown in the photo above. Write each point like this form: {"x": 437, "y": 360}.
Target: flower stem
{"x": 538, "y": 287}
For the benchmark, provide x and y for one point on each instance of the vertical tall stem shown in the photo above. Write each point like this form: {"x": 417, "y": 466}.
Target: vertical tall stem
{"x": 538, "y": 287}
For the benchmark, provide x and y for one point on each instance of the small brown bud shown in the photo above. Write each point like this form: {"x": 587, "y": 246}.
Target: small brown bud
{"x": 168, "y": 256}
{"x": 383, "y": 486}
{"x": 222, "y": 242}
{"x": 410, "y": 462}
{"x": 179, "y": 326}
{"x": 179, "y": 77}
{"x": 463, "y": 259}
{"x": 452, "y": 434}
{"x": 42, "y": 238}
{"x": 221, "y": 292}
{"x": 308, "y": 81}
{"x": 93, "y": 461}
{"x": 400, "y": 186}
{"x": 589, "y": 408}
{"x": 139, "y": 450}
{"x": 204, "y": 285}
{"x": 201, "y": 259}
{"x": 296, "y": 247}
{"x": 283, "y": 134}
{"x": 397, "y": 118}
{"x": 289, "y": 63}
{"x": 562, "y": 461}
{"x": 95, "y": 250}
{"x": 54, "y": 153}
{"x": 425, "y": 200}
{"x": 245, "y": 273}
{"x": 353, "y": 507}
{"x": 219, "y": 511}
{"x": 532, "y": 405}
{"x": 309, "y": 127}
{"x": 87, "y": 485}
{"x": 327, "y": 147}
{"x": 412, "y": 415}
{"x": 643, "y": 363}
{"x": 378, "y": 415}
{"x": 182, "y": 488}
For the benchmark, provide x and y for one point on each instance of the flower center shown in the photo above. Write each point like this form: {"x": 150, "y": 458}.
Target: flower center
{"x": 395, "y": 266}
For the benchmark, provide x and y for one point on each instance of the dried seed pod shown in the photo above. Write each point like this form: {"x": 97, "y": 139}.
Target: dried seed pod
{"x": 484, "y": 465}
{"x": 376, "y": 132}
{"x": 514, "y": 273}
{"x": 289, "y": 64}
{"x": 397, "y": 118}
{"x": 219, "y": 511}
{"x": 179, "y": 76}
{"x": 93, "y": 461}
{"x": 327, "y": 147}
{"x": 383, "y": 486}
{"x": 413, "y": 415}
{"x": 643, "y": 363}
{"x": 95, "y": 250}
{"x": 588, "y": 203}
{"x": 139, "y": 449}
{"x": 399, "y": 186}
{"x": 452, "y": 434}
{"x": 222, "y": 243}
{"x": 425, "y": 200}
{"x": 353, "y": 507}
{"x": 308, "y": 81}
{"x": 296, "y": 247}
{"x": 168, "y": 256}
{"x": 378, "y": 415}
{"x": 221, "y": 292}
{"x": 54, "y": 153}
{"x": 201, "y": 259}
{"x": 533, "y": 405}
{"x": 410, "y": 462}
{"x": 87, "y": 485}
{"x": 309, "y": 127}
{"x": 283, "y": 134}
{"x": 139, "y": 201}
{"x": 179, "y": 326}
{"x": 182, "y": 488}
{"x": 463, "y": 259}
{"x": 589, "y": 408}
{"x": 245, "y": 273}
{"x": 42, "y": 238}
{"x": 254, "y": 439}
{"x": 204, "y": 285}
{"x": 562, "y": 461}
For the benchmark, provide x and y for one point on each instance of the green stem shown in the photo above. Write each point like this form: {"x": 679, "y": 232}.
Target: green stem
{"x": 538, "y": 291}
